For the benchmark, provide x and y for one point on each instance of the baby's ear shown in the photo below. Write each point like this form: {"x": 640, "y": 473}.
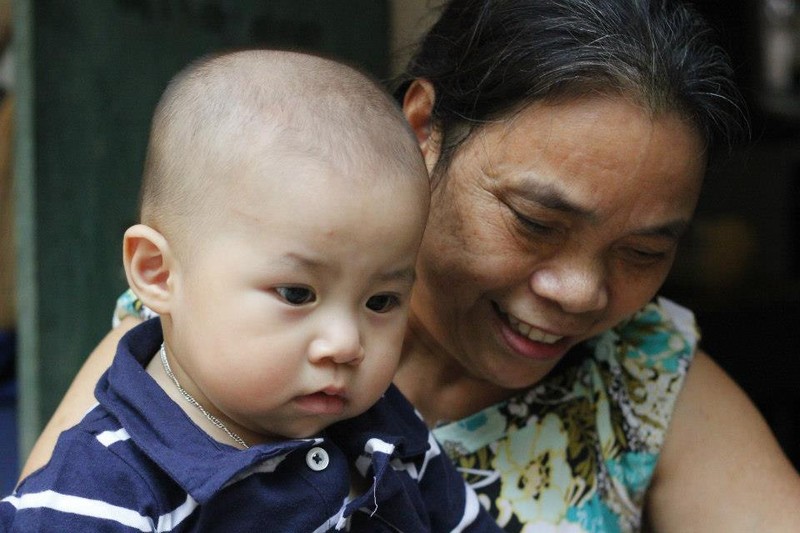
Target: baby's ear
{"x": 149, "y": 264}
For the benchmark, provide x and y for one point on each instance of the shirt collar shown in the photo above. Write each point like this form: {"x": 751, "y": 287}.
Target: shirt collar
{"x": 163, "y": 431}
{"x": 200, "y": 464}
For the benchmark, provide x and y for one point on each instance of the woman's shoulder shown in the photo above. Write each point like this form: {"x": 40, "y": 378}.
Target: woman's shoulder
{"x": 658, "y": 336}
{"x": 649, "y": 354}
{"x": 641, "y": 366}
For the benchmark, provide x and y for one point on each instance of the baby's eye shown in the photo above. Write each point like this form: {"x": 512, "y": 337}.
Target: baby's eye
{"x": 296, "y": 295}
{"x": 383, "y": 303}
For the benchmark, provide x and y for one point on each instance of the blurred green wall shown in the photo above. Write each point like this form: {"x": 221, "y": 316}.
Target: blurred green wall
{"x": 88, "y": 76}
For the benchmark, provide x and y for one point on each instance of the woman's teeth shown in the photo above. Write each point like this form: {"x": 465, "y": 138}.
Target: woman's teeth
{"x": 531, "y": 332}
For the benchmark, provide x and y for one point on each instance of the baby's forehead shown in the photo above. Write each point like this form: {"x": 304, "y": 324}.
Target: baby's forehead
{"x": 293, "y": 196}
{"x": 282, "y": 174}
{"x": 280, "y": 159}
{"x": 285, "y": 190}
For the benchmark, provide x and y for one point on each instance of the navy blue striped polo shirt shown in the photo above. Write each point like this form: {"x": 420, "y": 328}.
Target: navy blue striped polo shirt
{"x": 136, "y": 462}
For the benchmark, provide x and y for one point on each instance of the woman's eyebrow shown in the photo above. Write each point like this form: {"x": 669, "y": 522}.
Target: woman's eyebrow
{"x": 672, "y": 230}
{"x": 550, "y": 197}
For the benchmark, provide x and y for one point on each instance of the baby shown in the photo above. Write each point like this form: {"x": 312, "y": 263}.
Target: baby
{"x": 283, "y": 202}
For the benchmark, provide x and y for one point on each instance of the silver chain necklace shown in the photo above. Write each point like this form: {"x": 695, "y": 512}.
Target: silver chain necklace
{"x": 189, "y": 398}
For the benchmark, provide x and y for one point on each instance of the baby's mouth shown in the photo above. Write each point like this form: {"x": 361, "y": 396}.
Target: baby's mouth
{"x": 330, "y": 401}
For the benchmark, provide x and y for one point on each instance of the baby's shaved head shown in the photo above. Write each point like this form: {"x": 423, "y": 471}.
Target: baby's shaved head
{"x": 224, "y": 112}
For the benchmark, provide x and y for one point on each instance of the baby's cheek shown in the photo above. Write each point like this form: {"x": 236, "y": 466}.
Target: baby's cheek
{"x": 382, "y": 375}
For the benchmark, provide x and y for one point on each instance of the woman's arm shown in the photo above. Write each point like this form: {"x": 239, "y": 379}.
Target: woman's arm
{"x": 79, "y": 397}
{"x": 721, "y": 469}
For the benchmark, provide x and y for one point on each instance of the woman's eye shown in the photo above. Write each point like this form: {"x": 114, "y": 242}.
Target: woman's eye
{"x": 646, "y": 256}
{"x": 534, "y": 225}
{"x": 382, "y": 303}
{"x": 296, "y": 295}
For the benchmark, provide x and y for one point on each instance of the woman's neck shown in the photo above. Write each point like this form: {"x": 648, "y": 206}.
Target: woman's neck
{"x": 438, "y": 386}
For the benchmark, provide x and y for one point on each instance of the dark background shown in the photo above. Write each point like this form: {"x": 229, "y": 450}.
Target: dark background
{"x": 739, "y": 268}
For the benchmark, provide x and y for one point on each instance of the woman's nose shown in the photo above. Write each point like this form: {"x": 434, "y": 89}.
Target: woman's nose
{"x": 578, "y": 287}
{"x": 338, "y": 341}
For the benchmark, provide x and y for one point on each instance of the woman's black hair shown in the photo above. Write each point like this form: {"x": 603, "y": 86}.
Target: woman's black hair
{"x": 488, "y": 59}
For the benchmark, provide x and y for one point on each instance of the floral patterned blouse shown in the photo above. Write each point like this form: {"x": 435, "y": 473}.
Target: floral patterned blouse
{"x": 576, "y": 452}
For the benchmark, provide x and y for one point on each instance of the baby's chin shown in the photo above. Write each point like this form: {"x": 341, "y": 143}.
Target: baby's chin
{"x": 310, "y": 415}
{"x": 295, "y": 431}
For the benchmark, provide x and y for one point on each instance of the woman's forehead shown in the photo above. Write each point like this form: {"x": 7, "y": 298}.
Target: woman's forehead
{"x": 589, "y": 156}
{"x": 603, "y": 125}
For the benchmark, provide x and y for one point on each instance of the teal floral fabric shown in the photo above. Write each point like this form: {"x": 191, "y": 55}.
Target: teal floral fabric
{"x": 576, "y": 452}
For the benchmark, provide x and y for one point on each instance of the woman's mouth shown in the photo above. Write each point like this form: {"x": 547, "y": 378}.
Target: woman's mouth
{"x": 530, "y": 341}
{"x": 531, "y": 332}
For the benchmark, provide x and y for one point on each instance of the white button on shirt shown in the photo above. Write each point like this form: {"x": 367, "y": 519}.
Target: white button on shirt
{"x": 317, "y": 459}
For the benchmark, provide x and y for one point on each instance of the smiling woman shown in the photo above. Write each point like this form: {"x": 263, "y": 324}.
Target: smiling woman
{"x": 567, "y": 142}
{"x": 569, "y": 210}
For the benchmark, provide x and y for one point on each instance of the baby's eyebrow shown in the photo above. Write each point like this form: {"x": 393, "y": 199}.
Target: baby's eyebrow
{"x": 407, "y": 274}
{"x": 294, "y": 260}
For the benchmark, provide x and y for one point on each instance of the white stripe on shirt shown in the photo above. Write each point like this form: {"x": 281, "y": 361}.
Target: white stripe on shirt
{"x": 471, "y": 508}
{"x": 169, "y": 521}
{"x": 107, "y": 438}
{"x": 337, "y": 521}
{"x": 66, "y": 503}
{"x": 264, "y": 467}
{"x": 81, "y": 506}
